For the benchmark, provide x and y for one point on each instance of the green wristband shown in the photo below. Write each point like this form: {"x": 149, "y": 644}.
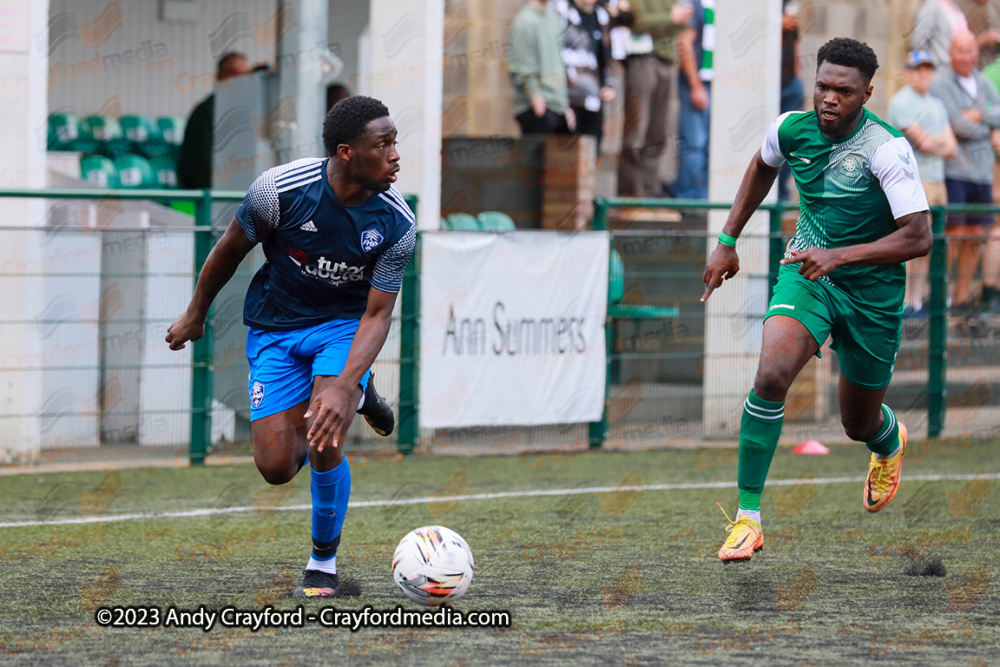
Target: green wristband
{"x": 726, "y": 239}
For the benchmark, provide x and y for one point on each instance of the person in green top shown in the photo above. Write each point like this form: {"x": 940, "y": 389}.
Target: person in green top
{"x": 862, "y": 214}
{"x": 537, "y": 72}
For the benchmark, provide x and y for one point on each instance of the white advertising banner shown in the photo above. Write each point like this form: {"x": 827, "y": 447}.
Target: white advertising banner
{"x": 512, "y": 328}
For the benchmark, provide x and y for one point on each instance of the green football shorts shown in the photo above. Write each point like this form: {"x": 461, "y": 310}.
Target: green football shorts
{"x": 866, "y": 339}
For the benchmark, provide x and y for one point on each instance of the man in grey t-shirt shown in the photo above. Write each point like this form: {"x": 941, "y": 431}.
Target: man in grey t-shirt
{"x": 923, "y": 119}
{"x": 974, "y": 113}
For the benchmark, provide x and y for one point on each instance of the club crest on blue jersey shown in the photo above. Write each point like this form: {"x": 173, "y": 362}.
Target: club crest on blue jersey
{"x": 370, "y": 239}
{"x": 257, "y": 394}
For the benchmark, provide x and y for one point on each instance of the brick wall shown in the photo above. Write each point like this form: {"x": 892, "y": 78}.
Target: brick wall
{"x": 883, "y": 24}
{"x": 475, "y": 69}
{"x": 493, "y": 174}
{"x": 477, "y": 97}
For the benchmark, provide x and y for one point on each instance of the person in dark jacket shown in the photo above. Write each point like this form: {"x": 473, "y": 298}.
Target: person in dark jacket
{"x": 587, "y": 55}
{"x": 194, "y": 168}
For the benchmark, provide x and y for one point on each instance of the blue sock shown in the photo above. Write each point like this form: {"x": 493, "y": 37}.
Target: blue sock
{"x": 330, "y": 493}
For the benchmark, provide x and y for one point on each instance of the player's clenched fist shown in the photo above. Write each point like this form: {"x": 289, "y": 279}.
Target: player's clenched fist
{"x": 722, "y": 265}
{"x": 185, "y": 328}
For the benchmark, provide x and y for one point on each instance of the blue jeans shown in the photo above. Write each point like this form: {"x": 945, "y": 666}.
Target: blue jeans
{"x": 793, "y": 96}
{"x": 692, "y": 152}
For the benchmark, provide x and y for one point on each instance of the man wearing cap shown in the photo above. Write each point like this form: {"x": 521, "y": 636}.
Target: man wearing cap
{"x": 923, "y": 119}
{"x": 973, "y": 106}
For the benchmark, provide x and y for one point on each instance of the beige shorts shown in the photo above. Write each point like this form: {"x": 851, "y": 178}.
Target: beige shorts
{"x": 937, "y": 195}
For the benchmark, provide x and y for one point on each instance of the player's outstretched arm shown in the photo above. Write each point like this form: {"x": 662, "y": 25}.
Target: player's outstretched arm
{"x": 724, "y": 263}
{"x": 911, "y": 239}
{"x": 220, "y": 266}
{"x": 332, "y": 405}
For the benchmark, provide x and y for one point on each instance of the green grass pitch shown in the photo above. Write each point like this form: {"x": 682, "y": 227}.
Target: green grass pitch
{"x": 615, "y": 577}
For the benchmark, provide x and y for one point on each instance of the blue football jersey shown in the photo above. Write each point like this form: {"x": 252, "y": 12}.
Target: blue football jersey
{"x": 322, "y": 256}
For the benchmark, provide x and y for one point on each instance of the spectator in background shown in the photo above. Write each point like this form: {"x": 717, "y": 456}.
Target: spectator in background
{"x": 334, "y": 93}
{"x": 924, "y": 121}
{"x": 694, "y": 84}
{"x": 991, "y": 260}
{"x": 973, "y": 107}
{"x": 535, "y": 64}
{"x": 587, "y": 56}
{"x": 194, "y": 168}
{"x": 793, "y": 93}
{"x": 983, "y": 19}
{"x": 936, "y": 23}
{"x": 622, "y": 20}
{"x": 648, "y": 70}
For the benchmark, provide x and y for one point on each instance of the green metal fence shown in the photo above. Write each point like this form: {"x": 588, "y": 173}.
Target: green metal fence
{"x": 654, "y": 333}
{"x": 937, "y": 330}
{"x": 617, "y": 312}
{"x": 205, "y": 360}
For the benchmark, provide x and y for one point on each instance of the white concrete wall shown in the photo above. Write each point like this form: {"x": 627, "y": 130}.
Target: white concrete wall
{"x": 407, "y": 60}
{"x": 171, "y": 64}
{"x": 22, "y": 164}
{"x": 346, "y": 24}
{"x": 168, "y": 387}
{"x": 70, "y": 408}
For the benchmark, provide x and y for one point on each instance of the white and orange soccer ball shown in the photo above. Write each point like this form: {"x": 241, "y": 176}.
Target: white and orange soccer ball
{"x": 433, "y": 566}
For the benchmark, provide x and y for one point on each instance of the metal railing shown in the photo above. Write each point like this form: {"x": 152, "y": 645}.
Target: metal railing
{"x": 925, "y": 347}
{"x": 203, "y": 355}
{"x": 937, "y": 352}
{"x": 935, "y": 399}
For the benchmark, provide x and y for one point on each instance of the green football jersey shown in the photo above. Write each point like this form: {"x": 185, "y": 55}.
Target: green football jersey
{"x": 851, "y": 191}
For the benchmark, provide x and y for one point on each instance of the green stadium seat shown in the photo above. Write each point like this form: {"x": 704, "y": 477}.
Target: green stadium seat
{"x": 462, "y": 222}
{"x": 103, "y": 128}
{"x": 134, "y": 172}
{"x": 100, "y": 171}
{"x": 616, "y": 277}
{"x": 171, "y": 129}
{"x": 107, "y": 135}
{"x": 64, "y": 132}
{"x": 616, "y": 294}
{"x": 139, "y": 129}
{"x": 144, "y": 137}
{"x": 84, "y": 141}
{"x": 495, "y": 221}
{"x": 165, "y": 170}
{"x": 84, "y": 132}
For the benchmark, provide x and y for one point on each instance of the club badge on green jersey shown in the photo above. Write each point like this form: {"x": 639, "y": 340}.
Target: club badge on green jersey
{"x": 850, "y": 165}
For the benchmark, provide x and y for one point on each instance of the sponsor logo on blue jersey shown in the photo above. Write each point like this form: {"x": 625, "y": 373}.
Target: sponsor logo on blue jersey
{"x": 370, "y": 239}
{"x": 335, "y": 273}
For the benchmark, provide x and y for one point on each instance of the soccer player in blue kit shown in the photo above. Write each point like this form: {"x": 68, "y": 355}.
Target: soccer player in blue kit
{"x": 337, "y": 237}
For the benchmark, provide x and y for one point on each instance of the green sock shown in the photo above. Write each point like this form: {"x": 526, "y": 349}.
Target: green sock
{"x": 760, "y": 429}
{"x": 886, "y": 440}
{"x": 749, "y": 500}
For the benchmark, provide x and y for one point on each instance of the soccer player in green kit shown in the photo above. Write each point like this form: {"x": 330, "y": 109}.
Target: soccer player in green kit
{"x": 862, "y": 214}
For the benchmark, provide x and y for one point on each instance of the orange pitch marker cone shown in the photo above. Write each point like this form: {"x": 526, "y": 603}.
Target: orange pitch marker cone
{"x": 810, "y": 447}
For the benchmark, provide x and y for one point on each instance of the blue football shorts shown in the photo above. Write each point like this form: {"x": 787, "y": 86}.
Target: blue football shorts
{"x": 284, "y": 363}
